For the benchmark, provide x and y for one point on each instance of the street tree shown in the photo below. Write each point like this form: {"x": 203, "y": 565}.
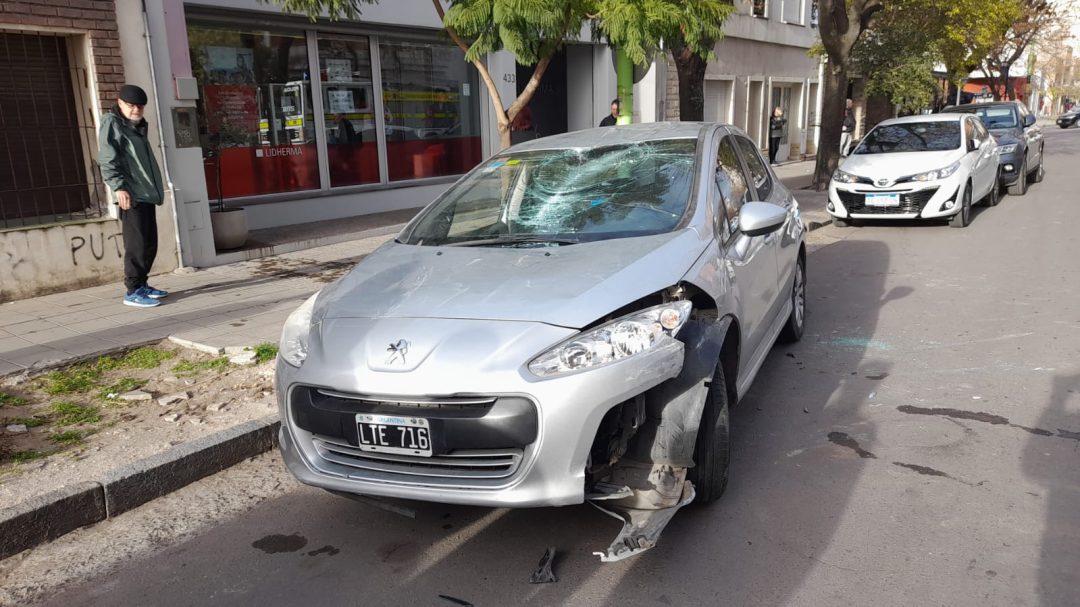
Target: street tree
{"x": 841, "y": 23}
{"x": 1036, "y": 18}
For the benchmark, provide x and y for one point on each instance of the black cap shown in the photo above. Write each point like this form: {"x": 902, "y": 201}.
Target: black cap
{"x": 133, "y": 94}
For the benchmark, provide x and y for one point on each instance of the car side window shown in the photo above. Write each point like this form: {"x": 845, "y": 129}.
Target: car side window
{"x": 969, "y": 130}
{"x": 980, "y": 131}
{"x": 758, "y": 173}
{"x": 731, "y": 181}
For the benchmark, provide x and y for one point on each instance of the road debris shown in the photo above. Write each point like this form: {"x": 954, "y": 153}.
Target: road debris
{"x": 544, "y": 573}
{"x": 135, "y": 395}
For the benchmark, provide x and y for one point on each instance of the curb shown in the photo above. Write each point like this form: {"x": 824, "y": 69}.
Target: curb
{"x": 47, "y": 517}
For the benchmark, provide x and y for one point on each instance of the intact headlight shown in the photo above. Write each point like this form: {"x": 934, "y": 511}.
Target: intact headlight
{"x": 937, "y": 174}
{"x": 842, "y": 177}
{"x": 1007, "y": 149}
{"x": 293, "y": 347}
{"x": 621, "y": 338}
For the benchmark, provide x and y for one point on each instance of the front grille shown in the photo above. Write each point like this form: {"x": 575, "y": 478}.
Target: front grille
{"x": 476, "y": 464}
{"x": 454, "y": 403}
{"x": 910, "y": 202}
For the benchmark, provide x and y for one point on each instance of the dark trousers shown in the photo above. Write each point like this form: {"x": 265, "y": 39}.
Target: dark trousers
{"x": 139, "y": 224}
{"x": 774, "y": 147}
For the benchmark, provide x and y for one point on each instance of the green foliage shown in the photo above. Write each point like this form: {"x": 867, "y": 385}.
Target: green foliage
{"x": 67, "y": 413}
{"x": 529, "y": 29}
{"x": 68, "y": 438}
{"x": 333, "y": 9}
{"x": 75, "y": 379}
{"x": 10, "y": 400}
{"x": 20, "y": 457}
{"x": 265, "y": 351}
{"x": 29, "y": 422}
{"x": 187, "y": 367}
{"x": 639, "y": 27}
{"x": 145, "y": 358}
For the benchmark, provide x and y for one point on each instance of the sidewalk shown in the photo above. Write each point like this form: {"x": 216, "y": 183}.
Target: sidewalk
{"x": 239, "y": 304}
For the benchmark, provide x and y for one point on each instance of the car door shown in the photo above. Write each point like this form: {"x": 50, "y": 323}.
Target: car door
{"x": 1032, "y": 134}
{"x": 749, "y": 261}
{"x": 984, "y": 171}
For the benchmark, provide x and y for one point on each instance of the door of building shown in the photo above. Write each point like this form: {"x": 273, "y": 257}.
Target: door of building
{"x": 781, "y": 97}
{"x": 546, "y": 113}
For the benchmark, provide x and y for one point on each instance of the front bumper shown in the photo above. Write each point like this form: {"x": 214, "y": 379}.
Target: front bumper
{"x": 1011, "y": 164}
{"x": 922, "y": 200}
{"x": 511, "y": 463}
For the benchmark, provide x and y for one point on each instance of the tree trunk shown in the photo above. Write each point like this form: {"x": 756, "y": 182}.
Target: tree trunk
{"x": 1007, "y": 83}
{"x": 833, "y": 103}
{"x": 691, "y": 70}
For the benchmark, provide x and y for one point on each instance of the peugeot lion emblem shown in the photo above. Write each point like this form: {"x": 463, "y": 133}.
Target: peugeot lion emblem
{"x": 397, "y": 352}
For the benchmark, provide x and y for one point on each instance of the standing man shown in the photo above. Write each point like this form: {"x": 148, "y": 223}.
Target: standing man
{"x": 612, "y": 118}
{"x": 776, "y": 132}
{"x": 846, "y": 133}
{"x": 131, "y": 172}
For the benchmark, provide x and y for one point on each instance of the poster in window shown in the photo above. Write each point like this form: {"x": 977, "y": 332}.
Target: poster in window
{"x": 339, "y": 70}
{"x": 228, "y": 64}
{"x": 340, "y": 102}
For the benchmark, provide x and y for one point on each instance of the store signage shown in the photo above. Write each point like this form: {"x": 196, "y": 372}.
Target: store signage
{"x": 275, "y": 152}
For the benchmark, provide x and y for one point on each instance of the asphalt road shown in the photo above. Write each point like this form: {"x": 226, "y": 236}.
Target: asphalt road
{"x": 920, "y": 446}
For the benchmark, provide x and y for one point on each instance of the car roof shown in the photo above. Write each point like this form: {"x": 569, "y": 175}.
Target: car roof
{"x": 922, "y": 118}
{"x": 965, "y": 107}
{"x": 615, "y": 135}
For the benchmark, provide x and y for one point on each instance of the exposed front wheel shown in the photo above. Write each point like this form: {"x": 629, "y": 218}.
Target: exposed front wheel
{"x": 1037, "y": 175}
{"x": 1019, "y": 187}
{"x": 963, "y": 218}
{"x": 712, "y": 452}
{"x": 994, "y": 197}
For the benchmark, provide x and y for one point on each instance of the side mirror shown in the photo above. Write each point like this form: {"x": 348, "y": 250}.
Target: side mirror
{"x": 1029, "y": 120}
{"x": 760, "y": 218}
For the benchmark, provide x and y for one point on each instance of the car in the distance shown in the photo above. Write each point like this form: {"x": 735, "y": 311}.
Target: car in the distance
{"x": 570, "y": 321}
{"x": 1069, "y": 118}
{"x": 1021, "y": 140}
{"x": 917, "y": 167}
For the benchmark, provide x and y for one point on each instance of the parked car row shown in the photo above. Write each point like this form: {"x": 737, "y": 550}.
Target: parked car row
{"x": 1069, "y": 118}
{"x": 938, "y": 166}
{"x": 570, "y": 321}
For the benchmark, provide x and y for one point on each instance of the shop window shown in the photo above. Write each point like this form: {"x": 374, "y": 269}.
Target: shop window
{"x": 255, "y": 114}
{"x": 432, "y": 115}
{"x": 349, "y": 108}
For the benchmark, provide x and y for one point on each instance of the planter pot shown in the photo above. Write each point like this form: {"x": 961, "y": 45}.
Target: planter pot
{"x": 230, "y": 228}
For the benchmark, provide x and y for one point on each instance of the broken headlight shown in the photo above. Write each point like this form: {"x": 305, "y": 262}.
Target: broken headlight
{"x": 616, "y": 340}
{"x": 293, "y": 348}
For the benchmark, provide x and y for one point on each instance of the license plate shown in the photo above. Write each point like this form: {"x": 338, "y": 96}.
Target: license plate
{"x": 882, "y": 200}
{"x": 394, "y": 434}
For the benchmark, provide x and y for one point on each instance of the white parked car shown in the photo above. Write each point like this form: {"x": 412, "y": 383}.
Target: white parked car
{"x": 926, "y": 167}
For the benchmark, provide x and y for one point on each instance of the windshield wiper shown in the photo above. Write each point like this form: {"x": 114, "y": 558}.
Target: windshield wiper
{"x": 512, "y": 239}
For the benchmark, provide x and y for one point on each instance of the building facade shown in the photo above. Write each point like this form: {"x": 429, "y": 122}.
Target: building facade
{"x": 762, "y": 63}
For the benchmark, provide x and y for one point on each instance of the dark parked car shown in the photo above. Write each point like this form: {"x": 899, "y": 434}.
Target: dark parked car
{"x": 1020, "y": 141}
{"x": 1069, "y": 118}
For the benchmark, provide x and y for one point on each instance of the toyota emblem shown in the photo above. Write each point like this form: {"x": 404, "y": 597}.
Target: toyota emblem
{"x": 883, "y": 182}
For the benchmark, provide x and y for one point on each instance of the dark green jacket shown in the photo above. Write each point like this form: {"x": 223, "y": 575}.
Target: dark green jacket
{"x": 126, "y": 160}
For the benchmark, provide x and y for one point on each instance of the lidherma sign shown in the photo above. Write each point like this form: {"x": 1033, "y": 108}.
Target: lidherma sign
{"x": 274, "y": 152}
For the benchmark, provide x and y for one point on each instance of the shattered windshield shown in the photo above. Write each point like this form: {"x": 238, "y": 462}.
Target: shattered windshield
{"x": 559, "y": 197}
{"x": 911, "y": 137}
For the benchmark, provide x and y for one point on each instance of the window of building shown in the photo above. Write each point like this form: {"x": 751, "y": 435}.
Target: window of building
{"x": 759, "y": 7}
{"x": 348, "y": 98}
{"x": 793, "y": 11}
{"x": 431, "y": 110}
{"x": 255, "y": 114}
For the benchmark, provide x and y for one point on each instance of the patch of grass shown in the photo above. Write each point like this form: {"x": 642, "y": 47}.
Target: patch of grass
{"x": 29, "y": 422}
{"x": 265, "y": 351}
{"x": 75, "y": 379}
{"x": 106, "y": 363}
{"x": 10, "y": 400}
{"x": 68, "y": 438}
{"x": 187, "y": 367}
{"x": 67, "y": 413}
{"x": 27, "y": 455}
{"x": 126, "y": 384}
{"x": 145, "y": 358}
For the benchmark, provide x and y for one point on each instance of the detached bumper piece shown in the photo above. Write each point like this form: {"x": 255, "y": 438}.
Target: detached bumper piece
{"x": 641, "y": 528}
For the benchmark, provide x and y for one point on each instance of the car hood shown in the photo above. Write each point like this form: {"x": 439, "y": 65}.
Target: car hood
{"x": 902, "y": 164}
{"x": 567, "y": 286}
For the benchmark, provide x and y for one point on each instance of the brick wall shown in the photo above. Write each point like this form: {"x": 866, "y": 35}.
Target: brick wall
{"x": 95, "y": 18}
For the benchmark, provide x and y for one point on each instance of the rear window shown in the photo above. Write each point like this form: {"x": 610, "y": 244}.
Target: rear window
{"x": 993, "y": 117}
{"x": 911, "y": 137}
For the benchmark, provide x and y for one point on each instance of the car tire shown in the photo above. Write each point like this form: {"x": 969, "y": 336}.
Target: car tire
{"x": 1020, "y": 186}
{"x": 712, "y": 452}
{"x": 1037, "y": 175}
{"x": 994, "y": 197}
{"x": 796, "y": 322}
{"x": 841, "y": 223}
{"x": 963, "y": 218}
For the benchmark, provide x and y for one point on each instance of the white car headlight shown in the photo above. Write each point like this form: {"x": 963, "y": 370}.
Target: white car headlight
{"x": 842, "y": 177}
{"x": 293, "y": 347}
{"x": 621, "y": 338}
{"x": 1007, "y": 149}
{"x": 937, "y": 174}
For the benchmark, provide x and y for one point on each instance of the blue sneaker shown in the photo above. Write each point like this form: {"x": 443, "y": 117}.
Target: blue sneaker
{"x": 155, "y": 293}
{"x": 140, "y": 299}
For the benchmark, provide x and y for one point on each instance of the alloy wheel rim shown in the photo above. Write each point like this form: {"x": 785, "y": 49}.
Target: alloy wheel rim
{"x": 800, "y": 294}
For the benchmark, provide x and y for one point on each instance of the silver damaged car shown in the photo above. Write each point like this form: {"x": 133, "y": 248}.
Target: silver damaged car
{"x": 569, "y": 322}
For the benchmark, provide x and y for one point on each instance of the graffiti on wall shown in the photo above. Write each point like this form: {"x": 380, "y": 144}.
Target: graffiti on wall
{"x": 98, "y": 247}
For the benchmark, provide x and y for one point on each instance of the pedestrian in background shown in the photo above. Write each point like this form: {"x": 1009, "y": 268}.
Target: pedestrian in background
{"x": 776, "y": 132}
{"x": 612, "y": 118}
{"x": 848, "y": 130}
{"x": 130, "y": 170}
